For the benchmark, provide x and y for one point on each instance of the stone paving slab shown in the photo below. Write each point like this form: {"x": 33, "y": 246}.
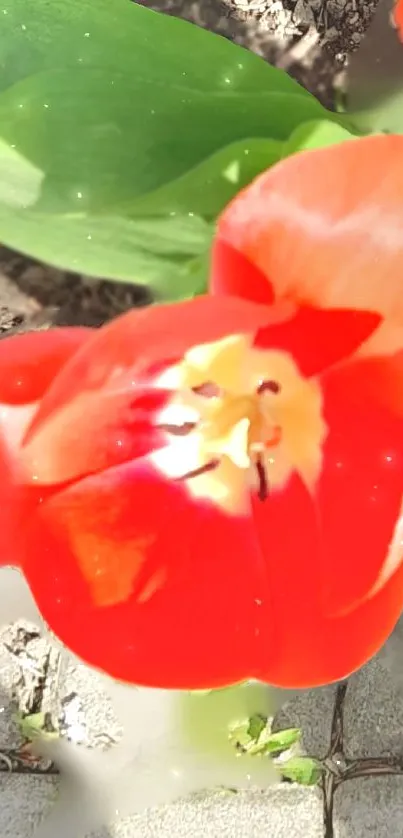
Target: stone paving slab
{"x": 9, "y": 673}
{"x": 312, "y": 711}
{"x": 24, "y": 800}
{"x": 93, "y": 707}
{"x": 373, "y": 717}
{"x": 369, "y": 808}
{"x": 283, "y": 811}
{"x": 373, "y": 712}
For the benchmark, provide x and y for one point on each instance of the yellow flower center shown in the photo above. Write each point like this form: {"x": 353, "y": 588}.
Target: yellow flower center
{"x": 240, "y": 418}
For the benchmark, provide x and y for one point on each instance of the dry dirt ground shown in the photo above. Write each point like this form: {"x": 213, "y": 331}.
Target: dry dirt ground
{"x": 311, "y": 39}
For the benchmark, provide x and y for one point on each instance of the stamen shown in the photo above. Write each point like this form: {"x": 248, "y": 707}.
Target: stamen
{"x": 263, "y": 492}
{"x": 178, "y": 430}
{"x": 209, "y": 390}
{"x": 269, "y": 386}
{"x": 201, "y": 470}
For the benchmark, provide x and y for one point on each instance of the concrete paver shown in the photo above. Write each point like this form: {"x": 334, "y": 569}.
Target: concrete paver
{"x": 373, "y": 717}
{"x": 369, "y": 808}
{"x": 9, "y": 673}
{"x": 280, "y": 812}
{"x": 284, "y": 811}
{"x": 24, "y": 800}
{"x": 312, "y": 711}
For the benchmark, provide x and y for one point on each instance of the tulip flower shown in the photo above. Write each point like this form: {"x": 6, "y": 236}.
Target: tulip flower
{"x": 29, "y": 363}
{"x": 397, "y": 17}
{"x": 209, "y": 492}
{"x": 324, "y": 228}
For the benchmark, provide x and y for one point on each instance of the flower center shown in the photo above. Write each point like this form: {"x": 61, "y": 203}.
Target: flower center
{"x": 241, "y": 417}
{"x": 241, "y": 427}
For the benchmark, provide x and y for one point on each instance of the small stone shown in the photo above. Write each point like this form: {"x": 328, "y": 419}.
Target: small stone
{"x": 303, "y": 13}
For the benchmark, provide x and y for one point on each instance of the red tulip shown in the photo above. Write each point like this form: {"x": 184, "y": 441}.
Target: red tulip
{"x": 398, "y": 18}
{"x": 209, "y": 491}
{"x": 28, "y": 365}
{"x": 323, "y": 228}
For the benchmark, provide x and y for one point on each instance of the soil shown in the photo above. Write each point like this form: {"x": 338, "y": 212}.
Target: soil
{"x": 310, "y": 39}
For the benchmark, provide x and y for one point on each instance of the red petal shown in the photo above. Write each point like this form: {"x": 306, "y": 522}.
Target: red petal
{"x": 360, "y": 493}
{"x": 29, "y": 362}
{"x": 28, "y": 365}
{"x": 96, "y": 431}
{"x": 232, "y": 273}
{"x": 287, "y": 532}
{"x": 146, "y": 584}
{"x": 325, "y": 227}
{"x": 381, "y": 382}
{"x": 89, "y": 419}
{"x": 309, "y": 647}
{"x": 317, "y": 339}
{"x": 398, "y": 18}
{"x": 8, "y": 508}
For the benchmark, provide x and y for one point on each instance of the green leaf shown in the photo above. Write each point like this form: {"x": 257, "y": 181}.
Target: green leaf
{"x": 282, "y": 740}
{"x": 118, "y": 34}
{"x": 156, "y": 251}
{"x": 116, "y": 100}
{"x": 303, "y": 770}
{"x": 257, "y": 724}
{"x": 316, "y": 134}
{"x": 254, "y": 736}
{"x": 239, "y": 734}
{"x": 109, "y": 110}
{"x": 34, "y": 725}
{"x": 101, "y": 139}
{"x": 194, "y": 276}
{"x": 209, "y": 186}
{"x": 274, "y": 743}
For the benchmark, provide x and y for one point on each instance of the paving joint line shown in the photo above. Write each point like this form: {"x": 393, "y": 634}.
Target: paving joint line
{"x": 338, "y": 768}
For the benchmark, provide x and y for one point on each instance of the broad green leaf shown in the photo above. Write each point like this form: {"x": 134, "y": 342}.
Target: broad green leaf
{"x": 385, "y": 116}
{"x": 303, "y": 770}
{"x": 106, "y": 104}
{"x": 194, "y": 276}
{"x": 210, "y": 185}
{"x": 155, "y": 251}
{"x": 120, "y": 35}
{"x": 101, "y": 139}
{"x": 112, "y": 100}
{"x": 316, "y": 134}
